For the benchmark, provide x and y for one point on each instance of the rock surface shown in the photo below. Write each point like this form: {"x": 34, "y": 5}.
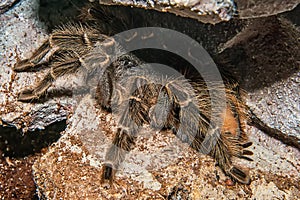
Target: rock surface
{"x": 212, "y": 11}
{"x": 264, "y": 8}
{"x": 207, "y": 11}
{"x": 159, "y": 166}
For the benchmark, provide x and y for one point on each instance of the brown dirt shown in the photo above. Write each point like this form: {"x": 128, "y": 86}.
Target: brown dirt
{"x": 16, "y": 179}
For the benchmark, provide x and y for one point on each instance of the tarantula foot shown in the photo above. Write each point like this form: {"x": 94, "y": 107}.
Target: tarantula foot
{"x": 23, "y": 65}
{"x": 108, "y": 172}
{"x": 248, "y": 144}
{"x": 27, "y": 95}
{"x": 239, "y": 175}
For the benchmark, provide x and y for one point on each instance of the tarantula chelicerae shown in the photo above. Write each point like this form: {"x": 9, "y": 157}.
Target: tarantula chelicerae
{"x": 180, "y": 104}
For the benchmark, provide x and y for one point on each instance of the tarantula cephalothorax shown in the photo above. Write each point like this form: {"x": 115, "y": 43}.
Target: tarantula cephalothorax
{"x": 172, "y": 102}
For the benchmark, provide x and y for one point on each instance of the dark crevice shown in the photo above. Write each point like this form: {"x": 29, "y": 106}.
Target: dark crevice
{"x": 13, "y": 143}
{"x": 293, "y": 15}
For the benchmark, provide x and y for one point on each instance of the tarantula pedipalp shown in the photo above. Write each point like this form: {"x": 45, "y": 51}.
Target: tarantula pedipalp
{"x": 167, "y": 102}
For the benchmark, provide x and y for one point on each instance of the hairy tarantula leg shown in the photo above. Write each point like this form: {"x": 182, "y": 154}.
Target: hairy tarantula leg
{"x": 161, "y": 113}
{"x": 194, "y": 127}
{"x": 133, "y": 112}
{"x": 104, "y": 90}
{"x": 122, "y": 143}
{"x": 230, "y": 143}
{"x": 39, "y": 56}
{"x": 62, "y": 66}
{"x": 223, "y": 157}
{"x": 71, "y": 37}
{"x": 106, "y": 82}
{"x": 190, "y": 120}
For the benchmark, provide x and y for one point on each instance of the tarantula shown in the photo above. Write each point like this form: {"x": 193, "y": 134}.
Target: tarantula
{"x": 174, "y": 102}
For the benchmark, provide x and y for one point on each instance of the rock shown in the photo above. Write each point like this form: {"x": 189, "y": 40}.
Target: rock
{"x": 212, "y": 11}
{"x": 263, "y": 8}
{"x": 159, "y": 166}
{"x": 6, "y": 5}
{"x": 207, "y": 11}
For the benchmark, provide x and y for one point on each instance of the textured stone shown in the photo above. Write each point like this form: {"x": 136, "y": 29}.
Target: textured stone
{"x": 212, "y": 11}
{"x": 263, "y": 8}
{"x": 206, "y": 11}
{"x": 5, "y": 5}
